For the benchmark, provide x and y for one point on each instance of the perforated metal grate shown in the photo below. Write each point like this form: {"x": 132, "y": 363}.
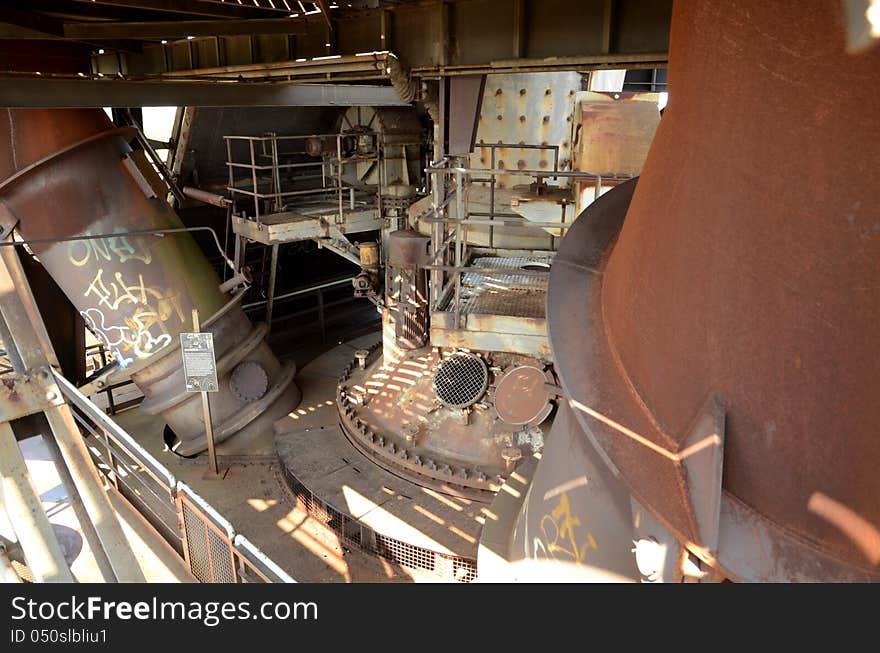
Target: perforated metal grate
{"x": 463, "y": 570}
{"x": 461, "y": 379}
{"x": 209, "y": 556}
{"x": 512, "y": 293}
{"x": 508, "y": 280}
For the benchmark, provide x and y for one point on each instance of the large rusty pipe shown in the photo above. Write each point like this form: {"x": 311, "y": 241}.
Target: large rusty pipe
{"x": 746, "y": 270}
{"x": 70, "y": 172}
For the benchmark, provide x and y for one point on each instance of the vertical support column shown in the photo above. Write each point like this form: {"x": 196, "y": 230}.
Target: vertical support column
{"x": 459, "y": 216}
{"x": 384, "y": 29}
{"x": 339, "y": 175}
{"x": 33, "y": 345}
{"x": 276, "y": 175}
{"x": 321, "y": 316}
{"x": 270, "y": 300}
{"x": 607, "y": 21}
{"x": 443, "y": 40}
{"x": 177, "y": 156}
{"x": 492, "y": 181}
{"x": 439, "y": 194}
{"x": 437, "y": 231}
{"x": 43, "y": 554}
{"x": 519, "y": 29}
{"x": 254, "y": 179}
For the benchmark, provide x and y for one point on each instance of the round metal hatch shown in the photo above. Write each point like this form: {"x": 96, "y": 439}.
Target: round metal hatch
{"x": 461, "y": 379}
{"x": 520, "y": 396}
{"x": 249, "y": 381}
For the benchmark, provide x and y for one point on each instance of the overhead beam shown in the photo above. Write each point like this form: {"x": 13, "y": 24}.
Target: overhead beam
{"x": 194, "y": 7}
{"x": 117, "y": 93}
{"x": 182, "y": 29}
{"x": 67, "y": 9}
{"x": 31, "y": 20}
{"x": 325, "y": 13}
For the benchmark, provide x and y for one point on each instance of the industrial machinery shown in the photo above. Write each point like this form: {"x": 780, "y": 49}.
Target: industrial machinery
{"x": 125, "y": 261}
{"x": 462, "y": 390}
{"x": 614, "y": 346}
{"x": 718, "y": 375}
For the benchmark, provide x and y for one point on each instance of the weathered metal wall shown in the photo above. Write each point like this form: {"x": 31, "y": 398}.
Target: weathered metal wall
{"x": 207, "y": 153}
{"x": 529, "y": 109}
{"x": 741, "y": 300}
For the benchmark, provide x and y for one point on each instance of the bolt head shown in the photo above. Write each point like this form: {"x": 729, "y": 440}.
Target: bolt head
{"x": 511, "y": 454}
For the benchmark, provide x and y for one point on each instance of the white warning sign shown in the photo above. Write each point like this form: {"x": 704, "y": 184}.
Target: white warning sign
{"x": 199, "y": 365}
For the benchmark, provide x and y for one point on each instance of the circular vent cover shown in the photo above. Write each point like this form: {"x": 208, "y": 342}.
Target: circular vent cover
{"x": 249, "y": 381}
{"x": 520, "y": 396}
{"x": 461, "y": 379}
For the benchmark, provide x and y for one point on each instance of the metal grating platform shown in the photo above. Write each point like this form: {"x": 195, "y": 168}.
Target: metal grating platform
{"x": 492, "y": 293}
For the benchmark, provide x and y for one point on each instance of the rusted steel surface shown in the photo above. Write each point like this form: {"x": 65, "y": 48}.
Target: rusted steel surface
{"x": 746, "y": 268}
{"x": 68, "y": 173}
{"x": 392, "y": 413}
{"x": 204, "y": 196}
{"x": 525, "y": 108}
{"x": 406, "y": 293}
{"x": 137, "y": 292}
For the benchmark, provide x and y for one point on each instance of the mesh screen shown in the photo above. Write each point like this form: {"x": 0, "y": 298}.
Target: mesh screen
{"x": 210, "y": 558}
{"x": 352, "y": 531}
{"x": 460, "y": 380}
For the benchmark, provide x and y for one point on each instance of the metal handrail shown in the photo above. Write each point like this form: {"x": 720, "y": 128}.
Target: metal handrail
{"x": 117, "y": 441}
{"x": 437, "y": 218}
{"x": 274, "y": 168}
{"x": 256, "y": 556}
{"x": 123, "y": 439}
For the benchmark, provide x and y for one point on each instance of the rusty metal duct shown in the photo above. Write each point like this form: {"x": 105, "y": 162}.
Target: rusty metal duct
{"x": 737, "y": 311}
{"x": 70, "y": 172}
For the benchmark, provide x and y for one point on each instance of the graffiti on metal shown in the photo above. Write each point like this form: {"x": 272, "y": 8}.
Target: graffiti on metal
{"x": 81, "y": 252}
{"x": 560, "y": 534}
{"x": 130, "y": 314}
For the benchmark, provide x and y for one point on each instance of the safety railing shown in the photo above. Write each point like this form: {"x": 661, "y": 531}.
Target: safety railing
{"x": 97, "y": 360}
{"x": 270, "y": 178}
{"x": 206, "y": 541}
{"x": 449, "y": 182}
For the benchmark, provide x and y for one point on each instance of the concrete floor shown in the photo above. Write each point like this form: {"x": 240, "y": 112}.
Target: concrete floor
{"x": 253, "y": 497}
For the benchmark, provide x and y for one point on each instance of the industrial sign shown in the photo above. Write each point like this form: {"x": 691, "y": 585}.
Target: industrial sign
{"x": 199, "y": 365}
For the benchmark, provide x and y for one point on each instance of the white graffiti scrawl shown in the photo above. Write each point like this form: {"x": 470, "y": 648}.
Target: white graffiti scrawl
{"x": 144, "y": 313}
